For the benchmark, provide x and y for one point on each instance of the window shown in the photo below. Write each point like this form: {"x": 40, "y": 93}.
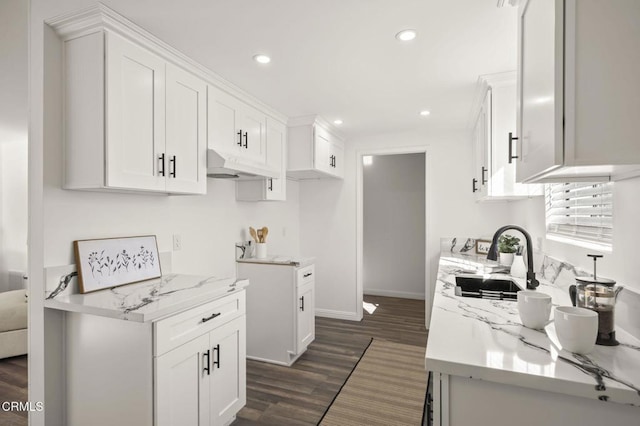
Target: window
{"x": 580, "y": 213}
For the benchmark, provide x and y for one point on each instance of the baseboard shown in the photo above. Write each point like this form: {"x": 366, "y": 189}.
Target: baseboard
{"x": 392, "y": 293}
{"x": 328, "y": 313}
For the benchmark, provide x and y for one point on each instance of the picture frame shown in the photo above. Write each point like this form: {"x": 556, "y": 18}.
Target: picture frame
{"x": 113, "y": 262}
{"x": 482, "y": 246}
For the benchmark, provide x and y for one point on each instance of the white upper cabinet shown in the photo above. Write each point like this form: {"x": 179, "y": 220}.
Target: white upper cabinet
{"x": 235, "y": 127}
{"x": 269, "y": 189}
{"x": 495, "y": 126}
{"x": 578, "y": 100}
{"x": 133, "y": 121}
{"x": 186, "y": 132}
{"x": 315, "y": 150}
{"x": 134, "y": 80}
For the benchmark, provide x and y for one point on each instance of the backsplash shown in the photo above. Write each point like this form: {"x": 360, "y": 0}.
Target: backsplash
{"x": 562, "y": 274}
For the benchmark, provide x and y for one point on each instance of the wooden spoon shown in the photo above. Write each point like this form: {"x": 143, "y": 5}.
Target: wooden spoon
{"x": 265, "y": 231}
{"x": 259, "y": 232}
{"x": 253, "y": 234}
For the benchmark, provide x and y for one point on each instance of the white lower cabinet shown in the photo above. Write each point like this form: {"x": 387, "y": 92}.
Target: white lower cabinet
{"x": 461, "y": 401}
{"x": 281, "y": 307}
{"x": 187, "y": 369}
{"x": 203, "y": 381}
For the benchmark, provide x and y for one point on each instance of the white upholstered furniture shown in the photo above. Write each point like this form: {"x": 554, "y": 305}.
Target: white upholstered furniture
{"x": 13, "y": 323}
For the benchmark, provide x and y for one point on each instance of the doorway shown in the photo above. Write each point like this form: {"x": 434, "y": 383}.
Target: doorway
{"x": 13, "y": 209}
{"x": 392, "y": 225}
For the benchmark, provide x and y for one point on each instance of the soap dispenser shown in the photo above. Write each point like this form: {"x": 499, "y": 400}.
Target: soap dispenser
{"x": 518, "y": 269}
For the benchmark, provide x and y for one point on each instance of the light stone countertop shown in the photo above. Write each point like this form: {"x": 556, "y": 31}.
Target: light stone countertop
{"x": 280, "y": 260}
{"x": 149, "y": 300}
{"x": 484, "y": 339}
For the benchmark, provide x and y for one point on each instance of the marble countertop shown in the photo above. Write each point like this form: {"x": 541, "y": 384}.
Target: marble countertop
{"x": 280, "y": 260}
{"x": 149, "y": 300}
{"x": 484, "y": 339}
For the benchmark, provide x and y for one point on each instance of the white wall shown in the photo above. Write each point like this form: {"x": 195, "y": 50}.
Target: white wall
{"x": 621, "y": 264}
{"x": 209, "y": 225}
{"x": 13, "y": 142}
{"x": 394, "y": 226}
{"x": 328, "y": 213}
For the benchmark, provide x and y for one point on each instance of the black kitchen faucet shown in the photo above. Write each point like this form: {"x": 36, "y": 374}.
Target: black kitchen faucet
{"x": 532, "y": 282}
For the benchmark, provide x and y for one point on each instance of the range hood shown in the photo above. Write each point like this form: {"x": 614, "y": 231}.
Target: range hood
{"x": 224, "y": 165}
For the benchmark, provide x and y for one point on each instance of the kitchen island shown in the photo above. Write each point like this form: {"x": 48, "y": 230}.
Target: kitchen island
{"x": 489, "y": 369}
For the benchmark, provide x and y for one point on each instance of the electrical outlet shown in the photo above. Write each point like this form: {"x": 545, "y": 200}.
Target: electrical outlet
{"x": 177, "y": 242}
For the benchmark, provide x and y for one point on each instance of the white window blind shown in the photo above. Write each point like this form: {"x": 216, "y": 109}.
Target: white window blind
{"x": 580, "y": 211}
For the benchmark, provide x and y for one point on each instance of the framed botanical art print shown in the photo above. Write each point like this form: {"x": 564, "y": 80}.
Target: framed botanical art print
{"x": 112, "y": 262}
{"x": 482, "y": 246}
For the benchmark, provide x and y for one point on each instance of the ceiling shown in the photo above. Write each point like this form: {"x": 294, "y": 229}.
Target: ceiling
{"x": 340, "y": 58}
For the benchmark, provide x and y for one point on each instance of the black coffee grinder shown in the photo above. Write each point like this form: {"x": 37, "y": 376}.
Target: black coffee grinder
{"x": 598, "y": 294}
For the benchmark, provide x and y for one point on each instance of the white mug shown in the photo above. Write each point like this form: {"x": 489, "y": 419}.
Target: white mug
{"x": 576, "y": 328}
{"x": 534, "y": 308}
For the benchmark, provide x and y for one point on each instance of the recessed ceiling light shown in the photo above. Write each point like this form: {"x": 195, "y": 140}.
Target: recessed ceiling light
{"x": 406, "y": 35}
{"x": 262, "y": 59}
{"x": 425, "y": 113}
{"x": 337, "y": 122}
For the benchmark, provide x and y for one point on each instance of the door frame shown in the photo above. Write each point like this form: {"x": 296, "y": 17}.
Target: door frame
{"x": 420, "y": 149}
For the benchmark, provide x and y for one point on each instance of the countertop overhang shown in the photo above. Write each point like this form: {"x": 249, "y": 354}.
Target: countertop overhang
{"x": 149, "y": 300}
{"x": 280, "y": 260}
{"x": 485, "y": 339}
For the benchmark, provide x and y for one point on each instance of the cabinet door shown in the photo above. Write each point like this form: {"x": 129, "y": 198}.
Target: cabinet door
{"x": 306, "y": 323}
{"x": 276, "y": 157}
{"x": 222, "y": 121}
{"x": 181, "y": 391}
{"x": 540, "y": 88}
{"x": 227, "y": 387}
{"x": 135, "y": 133}
{"x": 252, "y": 125}
{"x": 483, "y": 148}
{"x": 336, "y": 155}
{"x": 185, "y": 155}
{"x": 322, "y": 150}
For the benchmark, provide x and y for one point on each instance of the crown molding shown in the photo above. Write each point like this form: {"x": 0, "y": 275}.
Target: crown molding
{"x": 102, "y": 18}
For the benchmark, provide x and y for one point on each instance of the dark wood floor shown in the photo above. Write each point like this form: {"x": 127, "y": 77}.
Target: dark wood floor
{"x": 300, "y": 394}
{"x": 296, "y": 395}
{"x": 13, "y": 387}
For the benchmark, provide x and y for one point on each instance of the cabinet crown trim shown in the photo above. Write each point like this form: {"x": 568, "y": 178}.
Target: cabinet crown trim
{"x": 309, "y": 120}
{"x": 485, "y": 82}
{"x": 100, "y": 17}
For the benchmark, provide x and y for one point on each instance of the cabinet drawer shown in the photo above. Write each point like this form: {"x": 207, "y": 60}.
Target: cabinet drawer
{"x": 178, "y": 329}
{"x": 306, "y": 275}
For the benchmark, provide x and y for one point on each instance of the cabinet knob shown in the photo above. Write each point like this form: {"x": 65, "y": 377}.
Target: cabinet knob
{"x": 511, "y": 139}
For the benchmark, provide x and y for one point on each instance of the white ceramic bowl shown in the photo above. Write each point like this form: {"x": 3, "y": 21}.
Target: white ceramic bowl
{"x": 577, "y": 328}
{"x": 534, "y": 308}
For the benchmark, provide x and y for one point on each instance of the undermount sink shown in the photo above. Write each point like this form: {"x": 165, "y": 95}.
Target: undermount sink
{"x": 486, "y": 287}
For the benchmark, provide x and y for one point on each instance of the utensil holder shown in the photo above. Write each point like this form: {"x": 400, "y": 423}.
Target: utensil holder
{"x": 261, "y": 250}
